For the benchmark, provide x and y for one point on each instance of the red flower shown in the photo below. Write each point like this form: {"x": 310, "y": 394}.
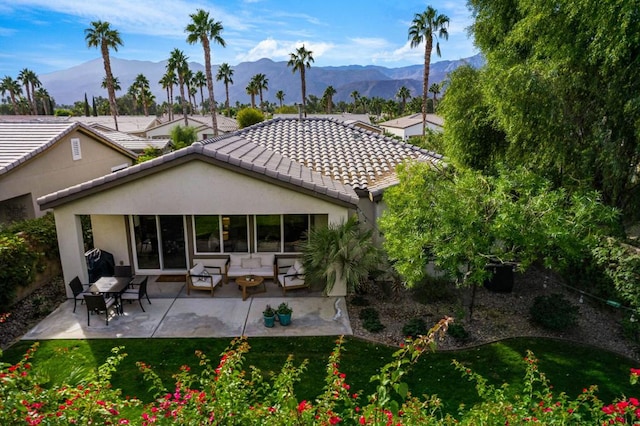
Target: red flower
{"x": 634, "y": 401}
{"x": 608, "y": 409}
{"x": 334, "y": 420}
{"x": 635, "y": 371}
{"x": 362, "y": 420}
{"x": 302, "y": 406}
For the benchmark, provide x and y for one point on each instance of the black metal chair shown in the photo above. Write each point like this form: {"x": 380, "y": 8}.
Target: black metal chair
{"x": 98, "y": 303}
{"x": 137, "y": 293}
{"x": 79, "y": 290}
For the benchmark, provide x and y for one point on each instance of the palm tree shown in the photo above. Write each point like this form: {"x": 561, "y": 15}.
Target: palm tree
{"x": 178, "y": 63}
{"x": 203, "y": 29}
{"x": 141, "y": 85}
{"x": 45, "y": 99}
{"x": 115, "y": 84}
{"x": 30, "y": 82}
{"x": 188, "y": 78}
{"x": 225, "y": 73}
{"x": 355, "y": 95}
{"x": 435, "y": 89}
{"x": 199, "y": 81}
{"x": 167, "y": 81}
{"x": 262, "y": 82}
{"x": 425, "y": 26}
{"x": 101, "y": 35}
{"x": 280, "y": 96}
{"x": 328, "y": 96}
{"x": 11, "y": 86}
{"x": 300, "y": 60}
{"x": 253, "y": 90}
{"x": 403, "y": 94}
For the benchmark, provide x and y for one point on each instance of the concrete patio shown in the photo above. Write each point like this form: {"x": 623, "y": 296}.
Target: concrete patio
{"x": 173, "y": 314}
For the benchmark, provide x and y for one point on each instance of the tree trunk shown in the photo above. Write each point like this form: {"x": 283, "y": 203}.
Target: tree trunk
{"x": 425, "y": 81}
{"x": 226, "y": 88}
{"x": 304, "y": 91}
{"x": 112, "y": 93}
{"x": 212, "y": 100}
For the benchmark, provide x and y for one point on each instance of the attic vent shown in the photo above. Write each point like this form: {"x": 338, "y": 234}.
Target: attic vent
{"x": 75, "y": 149}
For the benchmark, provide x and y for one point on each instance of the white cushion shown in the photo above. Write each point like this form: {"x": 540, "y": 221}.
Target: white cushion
{"x": 266, "y": 259}
{"x": 198, "y": 269}
{"x": 236, "y": 259}
{"x": 298, "y": 266}
{"x": 251, "y": 262}
{"x": 292, "y": 271}
{"x": 206, "y": 282}
{"x": 290, "y": 281}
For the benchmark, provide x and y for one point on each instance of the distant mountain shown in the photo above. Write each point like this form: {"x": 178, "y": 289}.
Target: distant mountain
{"x": 70, "y": 85}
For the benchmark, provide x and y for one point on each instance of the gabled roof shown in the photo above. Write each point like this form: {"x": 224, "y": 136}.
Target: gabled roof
{"x": 347, "y": 153}
{"x": 126, "y": 123}
{"x": 233, "y": 153}
{"x": 23, "y": 140}
{"x": 412, "y": 120}
{"x": 344, "y": 117}
{"x": 131, "y": 142}
{"x": 225, "y": 124}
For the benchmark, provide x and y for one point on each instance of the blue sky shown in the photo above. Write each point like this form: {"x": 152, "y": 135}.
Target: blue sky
{"x": 48, "y": 35}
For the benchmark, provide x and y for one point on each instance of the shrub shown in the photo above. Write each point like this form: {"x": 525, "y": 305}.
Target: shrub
{"x": 371, "y": 320}
{"x": 359, "y": 300}
{"x": 458, "y": 332}
{"x": 415, "y": 327}
{"x": 554, "y": 312}
{"x": 433, "y": 289}
{"x": 249, "y": 116}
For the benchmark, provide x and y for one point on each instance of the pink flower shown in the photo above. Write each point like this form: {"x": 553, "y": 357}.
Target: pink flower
{"x": 634, "y": 401}
{"x": 635, "y": 371}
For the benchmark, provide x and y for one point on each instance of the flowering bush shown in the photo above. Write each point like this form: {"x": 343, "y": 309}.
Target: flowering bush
{"x": 225, "y": 393}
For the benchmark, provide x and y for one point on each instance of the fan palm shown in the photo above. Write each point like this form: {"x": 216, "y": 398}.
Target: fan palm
{"x": 280, "y": 96}
{"x": 262, "y": 82}
{"x": 328, "y": 96}
{"x": 11, "y": 86}
{"x": 204, "y": 29}
{"x": 199, "y": 81}
{"x": 101, "y": 35}
{"x": 141, "y": 90}
{"x": 167, "y": 82}
{"x": 340, "y": 252}
{"x": 178, "y": 63}
{"x": 253, "y": 90}
{"x": 355, "y": 95}
{"x": 45, "y": 99}
{"x": 30, "y": 82}
{"x": 300, "y": 60}
{"x": 435, "y": 89}
{"x": 424, "y": 28}
{"x": 225, "y": 73}
{"x": 403, "y": 94}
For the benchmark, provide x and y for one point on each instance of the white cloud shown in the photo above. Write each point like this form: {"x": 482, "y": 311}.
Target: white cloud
{"x": 280, "y": 50}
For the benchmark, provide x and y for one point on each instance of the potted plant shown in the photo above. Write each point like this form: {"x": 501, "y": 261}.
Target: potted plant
{"x": 284, "y": 314}
{"x": 269, "y": 315}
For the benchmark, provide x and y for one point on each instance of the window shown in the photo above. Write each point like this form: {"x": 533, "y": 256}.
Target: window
{"x": 268, "y": 235}
{"x": 235, "y": 235}
{"x": 76, "y": 152}
{"x": 295, "y": 229}
{"x": 207, "y": 234}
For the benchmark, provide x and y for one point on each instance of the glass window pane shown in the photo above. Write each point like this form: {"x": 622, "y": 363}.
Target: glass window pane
{"x": 235, "y": 234}
{"x": 146, "y": 235}
{"x": 173, "y": 244}
{"x": 268, "y": 233}
{"x": 207, "y": 232}
{"x": 295, "y": 228}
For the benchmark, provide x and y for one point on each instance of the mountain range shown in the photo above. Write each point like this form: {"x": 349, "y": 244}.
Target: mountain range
{"x": 70, "y": 85}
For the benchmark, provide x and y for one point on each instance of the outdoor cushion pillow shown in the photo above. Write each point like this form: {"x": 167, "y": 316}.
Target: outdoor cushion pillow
{"x": 198, "y": 269}
{"x": 299, "y": 267}
{"x": 249, "y": 263}
{"x": 292, "y": 271}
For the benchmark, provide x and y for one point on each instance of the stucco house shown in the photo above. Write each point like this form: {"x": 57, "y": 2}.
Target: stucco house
{"x": 411, "y": 125}
{"x": 251, "y": 192}
{"x": 37, "y": 158}
{"x": 202, "y": 124}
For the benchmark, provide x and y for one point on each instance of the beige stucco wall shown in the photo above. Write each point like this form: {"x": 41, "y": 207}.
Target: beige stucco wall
{"x": 55, "y": 169}
{"x": 192, "y": 188}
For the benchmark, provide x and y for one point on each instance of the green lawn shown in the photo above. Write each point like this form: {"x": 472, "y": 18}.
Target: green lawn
{"x": 570, "y": 367}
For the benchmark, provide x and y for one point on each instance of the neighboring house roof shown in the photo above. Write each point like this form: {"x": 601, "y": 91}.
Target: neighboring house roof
{"x": 22, "y": 140}
{"x": 131, "y": 142}
{"x": 225, "y": 124}
{"x": 344, "y": 117}
{"x": 233, "y": 153}
{"x": 133, "y": 124}
{"x": 347, "y": 153}
{"x": 412, "y": 120}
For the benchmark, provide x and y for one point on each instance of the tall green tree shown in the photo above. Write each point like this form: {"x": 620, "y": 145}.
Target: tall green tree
{"x": 435, "y": 89}
{"x": 199, "y": 81}
{"x": 252, "y": 90}
{"x": 424, "y": 28}
{"x": 11, "y": 86}
{"x": 280, "y": 97}
{"x": 403, "y": 94}
{"x": 167, "y": 82}
{"x": 31, "y": 82}
{"x": 300, "y": 61}
{"x": 328, "y": 95}
{"x": 225, "y": 74}
{"x": 102, "y": 36}
{"x": 45, "y": 99}
{"x": 178, "y": 63}
{"x": 262, "y": 83}
{"x": 141, "y": 92}
{"x": 205, "y": 29}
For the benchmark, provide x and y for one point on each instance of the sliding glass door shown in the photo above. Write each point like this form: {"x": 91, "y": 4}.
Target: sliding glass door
{"x": 159, "y": 242}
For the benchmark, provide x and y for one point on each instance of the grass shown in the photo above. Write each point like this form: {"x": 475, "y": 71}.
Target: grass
{"x": 570, "y": 367}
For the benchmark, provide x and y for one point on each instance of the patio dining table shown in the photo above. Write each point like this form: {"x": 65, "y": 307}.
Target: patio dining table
{"x": 113, "y": 287}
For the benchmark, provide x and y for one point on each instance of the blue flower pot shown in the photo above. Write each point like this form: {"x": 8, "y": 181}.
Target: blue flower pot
{"x": 269, "y": 321}
{"x": 285, "y": 319}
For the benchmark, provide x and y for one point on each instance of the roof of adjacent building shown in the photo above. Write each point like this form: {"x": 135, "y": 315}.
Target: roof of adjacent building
{"x": 225, "y": 124}
{"x": 23, "y": 140}
{"x": 412, "y": 120}
{"x": 344, "y": 117}
{"x": 131, "y": 142}
{"x": 126, "y": 123}
{"x": 347, "y": 153}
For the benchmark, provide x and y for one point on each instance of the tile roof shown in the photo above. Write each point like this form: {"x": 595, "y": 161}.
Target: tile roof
{"x": 412, "y": 120}
{"x": 346, "y": 153}
{"x": 225, "y": 124}
{"x": 126, "y": 123}
{"x": 232, "y": 152}
{"x": 131, "y": 142}
{"x": 344, "y": 117}
{"x": 22, "y": 140}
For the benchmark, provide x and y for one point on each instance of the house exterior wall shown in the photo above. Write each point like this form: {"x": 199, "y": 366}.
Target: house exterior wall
{"x": 195, "y": 187}
{"x": 55, "y": 169}
{"x": 164, "y": 131}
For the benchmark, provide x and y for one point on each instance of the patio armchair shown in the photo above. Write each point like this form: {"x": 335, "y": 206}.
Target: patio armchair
{"x": 98, "y": 303}
{"x": 79, "y": 290}
{"x": 203, "y": 278}
{"x": 123, "y": 271}
{"x": 292, "y": 277}
{"x": 137, "y": 294}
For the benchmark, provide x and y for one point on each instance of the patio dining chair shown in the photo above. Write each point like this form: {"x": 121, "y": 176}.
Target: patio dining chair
{"x": 97, "y": 303}
{"x": 123, "y": 271}
{"x": 137, "y": 293}
{"x": 79, "y": 290}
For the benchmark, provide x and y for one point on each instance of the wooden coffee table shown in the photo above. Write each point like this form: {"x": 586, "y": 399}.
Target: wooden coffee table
{"x": 250, "y": 281}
